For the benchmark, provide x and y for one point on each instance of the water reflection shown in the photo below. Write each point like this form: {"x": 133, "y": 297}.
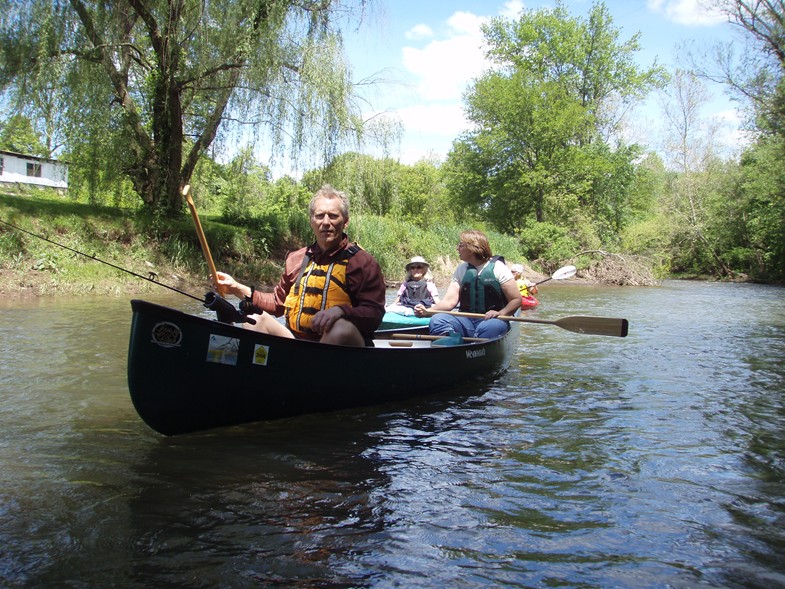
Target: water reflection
{"x": 758, "y": 423}
{"x": 262, "y": 505}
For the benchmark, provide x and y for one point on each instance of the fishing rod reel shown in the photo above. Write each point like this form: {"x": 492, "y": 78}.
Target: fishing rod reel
{"x": 226, "y": 312}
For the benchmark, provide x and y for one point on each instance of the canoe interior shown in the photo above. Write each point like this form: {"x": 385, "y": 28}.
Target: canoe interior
{"x": 398, "y": 321}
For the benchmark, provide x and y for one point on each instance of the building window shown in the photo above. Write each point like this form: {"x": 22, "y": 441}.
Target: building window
{"x": 2, "y": 166}
{"x": 34, "y": 170}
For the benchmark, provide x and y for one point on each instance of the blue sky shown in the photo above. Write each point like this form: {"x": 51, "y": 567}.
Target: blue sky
{"x": 427, "y": 52}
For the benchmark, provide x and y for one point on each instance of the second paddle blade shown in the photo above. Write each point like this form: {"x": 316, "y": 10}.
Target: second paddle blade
{"x": 595, "y": 325}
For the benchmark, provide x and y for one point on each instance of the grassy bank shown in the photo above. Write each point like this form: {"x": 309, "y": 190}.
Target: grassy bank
{"x": 170, "y": 250}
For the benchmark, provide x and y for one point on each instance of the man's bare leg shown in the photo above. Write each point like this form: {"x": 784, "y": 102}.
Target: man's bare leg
{"x": 343, "y": 333}
{"x": 266, "y": 323}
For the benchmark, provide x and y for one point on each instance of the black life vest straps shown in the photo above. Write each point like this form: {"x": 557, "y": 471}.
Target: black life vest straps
{"x": 345, "y": 255}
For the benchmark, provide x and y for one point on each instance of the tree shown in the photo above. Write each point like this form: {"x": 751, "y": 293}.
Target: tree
{"x": 17, "y": 134}
{"x": 585, "y": 57}
{"x": 695, "y": 188}
{"x": 247, "y": 185}
{"x": 755, "y": 74}
{"x": 370, "y": 182}
{"x": 165, "y": 78}
{"x": 764, "y": 180}
{"x": 514, "y": 162}
{"x": 545, "y": 118}
{"x": 421, "y": 194}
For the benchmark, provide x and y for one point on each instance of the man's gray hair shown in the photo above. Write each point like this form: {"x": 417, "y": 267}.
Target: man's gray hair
{"x": 329, "y": 192}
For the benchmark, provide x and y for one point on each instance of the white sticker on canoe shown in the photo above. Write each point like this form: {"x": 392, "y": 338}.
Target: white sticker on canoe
{"x": 223, "y": 350}
{"x": 260, "y": 354}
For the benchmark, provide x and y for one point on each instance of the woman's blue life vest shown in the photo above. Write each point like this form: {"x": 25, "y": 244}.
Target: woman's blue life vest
{"x": 481, "y": 291}
{"x": 416, "y": 292}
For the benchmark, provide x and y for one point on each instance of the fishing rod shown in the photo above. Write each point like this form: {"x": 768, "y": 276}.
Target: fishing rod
{"x": 225, "y": 311}
{"x": 93, "y": 257}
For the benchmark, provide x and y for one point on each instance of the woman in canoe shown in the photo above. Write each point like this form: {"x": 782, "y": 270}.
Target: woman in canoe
{"x": 482, "y": 283}
{"x": 417, "y": 288}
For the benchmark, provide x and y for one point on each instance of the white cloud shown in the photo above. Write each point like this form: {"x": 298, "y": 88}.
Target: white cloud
{"x": 411, "y": 154}
{"x": 512, "y": 9}
{"x": 430, "y": 131}
{"x": 447, "y": 64}
{"x": 730, "y": 116}
{"x": 444, "y": 67}
{"x": 434, "y": 119}
{"x": 442, "y": 71}
{"x": 466, "y": 23}
{"x": 420, "y": 31}
{"x": 691, "y": 13}
{"x": 732, "y": 135}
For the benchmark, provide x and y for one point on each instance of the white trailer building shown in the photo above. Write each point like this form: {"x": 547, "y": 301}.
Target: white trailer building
{"x": 30, "y": 169}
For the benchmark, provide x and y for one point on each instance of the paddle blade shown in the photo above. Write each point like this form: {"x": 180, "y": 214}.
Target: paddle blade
{"x": 566, "y": 272}
{"x": 595, "y": 325}
{"x": 560, "y": 274}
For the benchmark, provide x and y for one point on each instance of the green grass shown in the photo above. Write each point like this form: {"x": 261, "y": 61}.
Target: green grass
{"x": 123, "y": 238}
{"x": 393, "y": 243}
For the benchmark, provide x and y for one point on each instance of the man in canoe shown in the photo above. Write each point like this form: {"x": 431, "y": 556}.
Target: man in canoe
{"x": 482, "y": 283}
{"x": 331, "y": 291}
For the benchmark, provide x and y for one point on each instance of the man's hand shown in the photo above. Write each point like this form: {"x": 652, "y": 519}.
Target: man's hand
{"x": 324, "y": 320}
{"x": 231, "y": 286}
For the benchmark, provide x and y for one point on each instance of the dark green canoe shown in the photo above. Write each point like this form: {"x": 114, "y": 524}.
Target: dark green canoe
{"x": 188, "y": 373}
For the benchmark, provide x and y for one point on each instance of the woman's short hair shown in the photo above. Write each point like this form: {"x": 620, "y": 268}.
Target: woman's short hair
{"x": 477, "y": 242}
{"x": 328, "y": 192}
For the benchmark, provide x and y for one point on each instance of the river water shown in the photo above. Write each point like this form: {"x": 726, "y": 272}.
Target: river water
{"x": 650, "y": 461}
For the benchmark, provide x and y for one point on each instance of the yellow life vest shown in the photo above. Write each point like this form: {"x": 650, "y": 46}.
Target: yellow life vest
{"x": 522, "y": 287}
{"x": 318, "y": 287}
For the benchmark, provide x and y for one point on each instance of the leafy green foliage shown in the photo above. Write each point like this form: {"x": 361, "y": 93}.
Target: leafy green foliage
{"x": 393, "y": 242}
{"x": 371, "y": 183}
{"x": 544, "y": 241}
{"x": 538, "y": 153}
{"x": 18, "y": 135}
{"x": 422, "y": 195}
{"x": 763, "y": 184}
{"x": 543, "y": 172}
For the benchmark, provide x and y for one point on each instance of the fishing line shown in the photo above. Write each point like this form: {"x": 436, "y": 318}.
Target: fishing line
{"x": 132, "y": 273}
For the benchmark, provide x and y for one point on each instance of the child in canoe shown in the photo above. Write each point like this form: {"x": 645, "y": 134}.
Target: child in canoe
{"x": 418, "y": 288}
{"x": 526, "y": 288}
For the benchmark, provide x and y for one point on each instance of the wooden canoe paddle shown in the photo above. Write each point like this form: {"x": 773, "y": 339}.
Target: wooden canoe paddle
{"x": 202, "y": 238}
{"x": 587, "y": 325}
{"x": 419, "y": 336}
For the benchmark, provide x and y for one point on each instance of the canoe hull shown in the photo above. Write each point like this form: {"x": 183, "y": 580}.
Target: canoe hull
{"x": 189, "y": 373}
{"x": 529, "y": 302}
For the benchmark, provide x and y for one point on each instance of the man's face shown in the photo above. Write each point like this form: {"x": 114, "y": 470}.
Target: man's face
{"x": 328, "y": 223}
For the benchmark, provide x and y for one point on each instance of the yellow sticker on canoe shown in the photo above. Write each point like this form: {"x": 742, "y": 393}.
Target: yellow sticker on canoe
{"x": 260, "y": 354}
